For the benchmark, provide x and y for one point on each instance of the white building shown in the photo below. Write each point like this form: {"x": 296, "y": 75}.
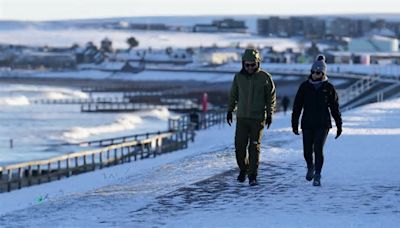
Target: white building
{"x": 216, "y": 56}
{"x": 374, "y": 44}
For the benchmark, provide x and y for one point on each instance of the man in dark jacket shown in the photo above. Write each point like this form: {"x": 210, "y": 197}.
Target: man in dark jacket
{"x": 318, "y": 99}
{"x": 253, "y": 93}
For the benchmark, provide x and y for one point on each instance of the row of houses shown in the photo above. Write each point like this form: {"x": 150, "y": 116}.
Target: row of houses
{"x": 364, "y": 50}
{"x": 56, "y": 58}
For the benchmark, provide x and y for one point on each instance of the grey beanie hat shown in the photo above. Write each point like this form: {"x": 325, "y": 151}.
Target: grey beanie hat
{"x": 319, "y": 64}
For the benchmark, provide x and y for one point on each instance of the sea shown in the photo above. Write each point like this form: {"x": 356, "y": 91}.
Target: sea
{"x": 33, "y": 131}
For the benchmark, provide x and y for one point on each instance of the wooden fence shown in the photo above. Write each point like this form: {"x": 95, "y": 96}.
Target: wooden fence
{"x": 80, "y": 100}
{"x": 36, "y": 172}
{"x": 118, "y": 140}
{"x": 127, "y": 107}
{"x": 118, "y": 150}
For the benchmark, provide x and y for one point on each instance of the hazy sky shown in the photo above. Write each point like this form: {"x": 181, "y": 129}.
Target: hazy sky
{"x": 73, "y": 9}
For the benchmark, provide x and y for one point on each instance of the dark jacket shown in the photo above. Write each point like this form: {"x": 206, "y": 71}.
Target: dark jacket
{"x": 318, "y": 105}
{"x": 253, "y": 94}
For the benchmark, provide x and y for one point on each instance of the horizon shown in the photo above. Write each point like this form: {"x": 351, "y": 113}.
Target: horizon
{"x": 50, "y": 10}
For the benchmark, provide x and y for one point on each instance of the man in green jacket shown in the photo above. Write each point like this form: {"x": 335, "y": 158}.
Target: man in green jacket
{"x": 253, "y": 94}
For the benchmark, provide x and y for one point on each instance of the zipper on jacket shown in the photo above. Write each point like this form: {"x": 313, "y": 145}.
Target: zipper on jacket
{"x": 250, "y": 96}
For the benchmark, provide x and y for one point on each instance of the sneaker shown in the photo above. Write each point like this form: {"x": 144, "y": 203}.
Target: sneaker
{"x": 310, "y": 174}
{"x": 242, "y": 176}
{"x": 317, "y": 180}
{"x": 253, "y": 181}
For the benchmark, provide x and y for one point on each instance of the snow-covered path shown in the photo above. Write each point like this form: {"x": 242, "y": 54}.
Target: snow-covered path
{"x": 197, "y": 187}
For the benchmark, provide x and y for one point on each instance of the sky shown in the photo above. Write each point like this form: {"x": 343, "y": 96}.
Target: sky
{"x": 41, "y": 10}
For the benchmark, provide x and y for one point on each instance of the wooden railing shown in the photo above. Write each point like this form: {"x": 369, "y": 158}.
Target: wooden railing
{"x": 117, "y": 140}
{"x": 80, "y": 100}
{"x": 125, "y": 107}
{"x": 197, "y": 120}
{"x": 357, "y": 89}
{"x": 118, "y": 150}
{"x": 36, "y": 172}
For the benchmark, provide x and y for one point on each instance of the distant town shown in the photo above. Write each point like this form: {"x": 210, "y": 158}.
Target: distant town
{"x": 342, "y": 40}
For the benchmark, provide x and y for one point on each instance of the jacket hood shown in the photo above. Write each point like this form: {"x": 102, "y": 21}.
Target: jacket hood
{"x": 251, "y": 55}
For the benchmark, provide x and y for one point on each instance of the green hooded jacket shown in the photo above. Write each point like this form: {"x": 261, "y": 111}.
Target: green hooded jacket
{"x": 253, "y": 94}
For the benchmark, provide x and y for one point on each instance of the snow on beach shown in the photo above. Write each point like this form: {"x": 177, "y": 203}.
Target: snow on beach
{"x": 196, "y": 187}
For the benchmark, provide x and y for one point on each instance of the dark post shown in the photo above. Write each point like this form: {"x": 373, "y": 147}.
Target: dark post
{"x": 39, "y": 174}
{"x": 21, "y": 175}
{"x": 58, "y": 169}
{"x": 49, "y": 172}
{"x": 76, "y": 163}
{"x": 93, "y": 162}
{"x": 9, "y": 172}
{"x": 115, "y": 156}
{"x": 129, "y": 154}
{"x": 29, "y": 175}
{"x": 101, "y": 160}
{"x": 84, "y": 161}
{"x": 67, "y": 163}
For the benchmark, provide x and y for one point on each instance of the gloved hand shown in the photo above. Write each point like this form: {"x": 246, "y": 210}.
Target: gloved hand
{"x": 296, "y": 130}
{"x": 229, "y": 118}
{"x": 268, "y": 121}
{"x": 338, "y": 132}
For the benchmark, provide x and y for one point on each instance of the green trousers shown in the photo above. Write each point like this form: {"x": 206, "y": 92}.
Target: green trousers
{"x": 248, "y": 135}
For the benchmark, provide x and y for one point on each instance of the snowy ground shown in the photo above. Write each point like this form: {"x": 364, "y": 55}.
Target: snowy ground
{"x": 197, "y": 187}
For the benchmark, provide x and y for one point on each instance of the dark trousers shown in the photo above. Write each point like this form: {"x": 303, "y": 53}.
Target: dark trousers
{"x": 313, "y": 142}
{"x": 248, "y": 134}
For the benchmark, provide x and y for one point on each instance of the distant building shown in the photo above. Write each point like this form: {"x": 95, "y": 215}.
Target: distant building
{"x": 374, "y": 44}
{"x": 225, "y": 25}
{"x": 364, "y": 58}
{"x": 89, "y": 54}
{"x": 271, "y": 56}
{"x": 294, "y": 26}
{"x": 342, "y": 27}
{"x": 230, "y": 25}
{"x": 395, "y": 27}
{"x": 273, "y": 26}
{"x": 217, "y": 56}
{"x": 160, "y": 27}
{"x": 382, "y": 32}
{"x": 172, "y": 56}
{"x": 205, "y": 28}
{"x": 314, "y": 28}
{"x": 136, "y": 26}
{"x": 363, "y": 26}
